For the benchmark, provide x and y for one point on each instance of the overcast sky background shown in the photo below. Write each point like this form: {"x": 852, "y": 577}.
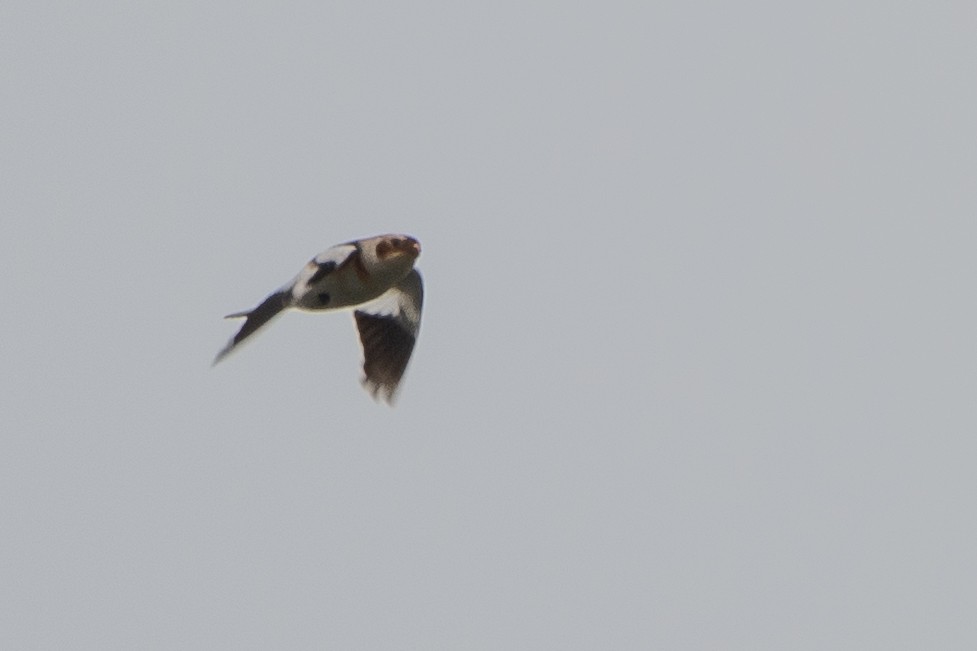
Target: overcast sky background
{"x": 697, "y": 362}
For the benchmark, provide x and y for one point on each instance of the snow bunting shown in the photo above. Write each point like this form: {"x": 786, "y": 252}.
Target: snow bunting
{"x": 377, "y": 276}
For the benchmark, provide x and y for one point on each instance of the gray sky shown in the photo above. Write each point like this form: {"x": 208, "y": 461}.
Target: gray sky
{"x": 697, "y": 363}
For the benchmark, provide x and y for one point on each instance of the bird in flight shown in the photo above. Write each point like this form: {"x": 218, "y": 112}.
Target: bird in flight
{"x": 376, "y": 276}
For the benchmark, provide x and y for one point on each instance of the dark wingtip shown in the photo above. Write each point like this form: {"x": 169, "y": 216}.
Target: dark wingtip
{"x": 222, "y": 354}
{"x": 256, "y": 318}
{"x": 380, "y": 392}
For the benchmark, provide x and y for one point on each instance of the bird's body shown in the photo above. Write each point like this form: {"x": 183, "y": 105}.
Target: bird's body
{"x": 376, "y": 274}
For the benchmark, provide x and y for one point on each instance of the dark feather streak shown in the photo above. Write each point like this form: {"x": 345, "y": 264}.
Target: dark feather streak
{"x": 324, "y": 270}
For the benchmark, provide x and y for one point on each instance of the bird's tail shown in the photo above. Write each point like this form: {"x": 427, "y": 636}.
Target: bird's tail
{"x": 256, "y": 318}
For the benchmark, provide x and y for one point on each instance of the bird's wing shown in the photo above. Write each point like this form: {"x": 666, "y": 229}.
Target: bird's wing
{"x": 337, "y": 254}
{"x": 321, "y": 266}
{"x": 289, "y": 294}
{"x": 388, "y": 329}
{"x": 256, "y": 318}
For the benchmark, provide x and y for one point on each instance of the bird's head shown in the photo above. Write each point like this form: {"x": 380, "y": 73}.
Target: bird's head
{"x": 389, "y": 247}
{"x": 390, "y": 257}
